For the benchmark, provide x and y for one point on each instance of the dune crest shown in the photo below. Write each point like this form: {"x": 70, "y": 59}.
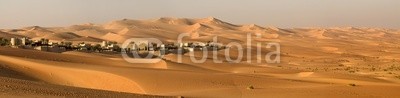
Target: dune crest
{"x": 252, "y": 27}
{"x": 174, "y": 21}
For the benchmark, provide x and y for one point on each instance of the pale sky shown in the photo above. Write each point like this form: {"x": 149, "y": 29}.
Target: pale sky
{"x": 280, "y": 13}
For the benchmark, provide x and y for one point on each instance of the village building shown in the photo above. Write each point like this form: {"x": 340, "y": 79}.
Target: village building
{"x": 83, "y": 46}
{"x": 142, "y": 45}
{"x": 162, "y": 47}
{"x": 25, "y": 41}
{"x": 20, "y": 43}
{"x": 15, "y": 42}
{"x": 104, "y": 44}
{"x": 55, "y": 48}
{"x": 112, "y": 47}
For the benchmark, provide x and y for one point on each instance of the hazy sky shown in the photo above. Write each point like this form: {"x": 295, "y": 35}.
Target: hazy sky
{"x": 280, "y": 13}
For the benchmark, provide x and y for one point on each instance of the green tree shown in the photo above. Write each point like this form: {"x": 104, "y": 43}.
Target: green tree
{"x": 4, "y": 42}
{"x": 96, "y": 47}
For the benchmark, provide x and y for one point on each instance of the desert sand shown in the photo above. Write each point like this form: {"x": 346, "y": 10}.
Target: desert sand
{"x": 315, "y": 62}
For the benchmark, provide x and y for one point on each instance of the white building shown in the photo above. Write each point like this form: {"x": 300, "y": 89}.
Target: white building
{"x": 189, "y": 49}
{"x": 104, "y": 44}
{"x": 200, "y": 44}
{"x": 84, "y": 46}
{"x": 134, "y": 47}
{"x": 25, "y": 41}
{"x": 15, "y": 41}
{"x": 185, "y": 44}
{"x": 162, "y": 47}
{"x": 142, "y": 45}
{"x": 180, "y": 45}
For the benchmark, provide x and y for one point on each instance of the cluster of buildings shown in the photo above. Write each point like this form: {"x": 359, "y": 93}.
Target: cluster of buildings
{"x": 42, "y": 44}
{"x": 108, "y": 46}
{"x": 176, "y": 48}
{"x": 46, "y": 45}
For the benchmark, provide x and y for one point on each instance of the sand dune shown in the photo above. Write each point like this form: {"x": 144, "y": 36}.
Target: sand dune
{"x": 319, "y": 34}
{"x": 91, "y": 32}
{"x": 120, "y": 24}
{"x": 60, "y": 36}
{"x": 252, "y": 27}
{"x": 8, "y": 35}
{"x": 64, "y": 76}
{"x": 35, "y": 31}
{"x": 174, "y": 21}
{"x": 114, "y": 37}
{"x": 200, "y": 27}
{"x": 120, "y": 30}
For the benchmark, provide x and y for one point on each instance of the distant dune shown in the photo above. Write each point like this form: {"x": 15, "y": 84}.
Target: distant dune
{"x": 168, "y": 28}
